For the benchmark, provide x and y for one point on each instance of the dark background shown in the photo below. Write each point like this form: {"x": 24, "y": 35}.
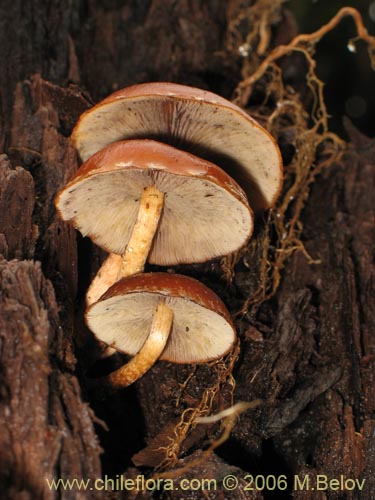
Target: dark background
{"x": 349, "y": 79}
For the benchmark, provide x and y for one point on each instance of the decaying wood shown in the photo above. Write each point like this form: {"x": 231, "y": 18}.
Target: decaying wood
{"x": 17, "y": 198}
{"x": 46, "y": 431}
{"x": 316, "y": 370}
{"x": 308, "y": 354}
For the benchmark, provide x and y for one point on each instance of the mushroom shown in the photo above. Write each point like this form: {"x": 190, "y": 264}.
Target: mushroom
{"x": 143, "y": 199}
{"x": 191, "y": 119}
{"x": 160, "y": 316}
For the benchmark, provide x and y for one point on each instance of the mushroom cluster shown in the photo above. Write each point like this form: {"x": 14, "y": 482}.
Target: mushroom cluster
{"x": 150, "y": 189}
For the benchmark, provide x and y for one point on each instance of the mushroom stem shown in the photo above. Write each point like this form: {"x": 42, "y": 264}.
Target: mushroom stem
{"x": 105, "y": 277}
{"x": 134, "y": 258}
{"x": 138, "y": 248}
{"x": 151, "y": 350}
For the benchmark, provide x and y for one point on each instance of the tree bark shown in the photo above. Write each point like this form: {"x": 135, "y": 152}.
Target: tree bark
{"x": 46, "y": 431}
{"x": 307, "y": 353}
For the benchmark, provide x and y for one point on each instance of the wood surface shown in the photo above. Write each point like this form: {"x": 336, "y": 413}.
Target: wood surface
{"x": 308, "y": 353}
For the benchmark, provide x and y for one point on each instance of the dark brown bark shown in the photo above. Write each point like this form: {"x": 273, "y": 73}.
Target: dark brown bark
{"x": 307, "y": 353}
{"x": 46, "y": 430}
{"x": 317, "y": 365}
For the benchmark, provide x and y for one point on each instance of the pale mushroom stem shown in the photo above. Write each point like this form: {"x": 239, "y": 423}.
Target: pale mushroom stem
{"x": 105, "y": 278}
{"x": 138, "y": 248}
{"x": 151, "y": 350}
{"x": 134, "y": 258}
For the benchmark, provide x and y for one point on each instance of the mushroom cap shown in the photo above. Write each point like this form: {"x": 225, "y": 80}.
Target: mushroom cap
{"x": 205, "y": 213}
{"x": 191, "y": 119}
{"x": 202, "y": 327}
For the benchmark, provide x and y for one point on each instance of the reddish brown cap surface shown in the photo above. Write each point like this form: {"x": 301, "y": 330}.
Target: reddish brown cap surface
{"x": 202, "y": 327}
{"x": 205, "y": 212}
{"x": 191, "y": 119}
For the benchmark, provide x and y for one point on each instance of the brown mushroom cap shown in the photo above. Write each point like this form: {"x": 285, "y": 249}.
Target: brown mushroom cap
{"x": 205, "y": 212}
{"x": 202, "y": 327}
{"x": 191, "y": 119}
